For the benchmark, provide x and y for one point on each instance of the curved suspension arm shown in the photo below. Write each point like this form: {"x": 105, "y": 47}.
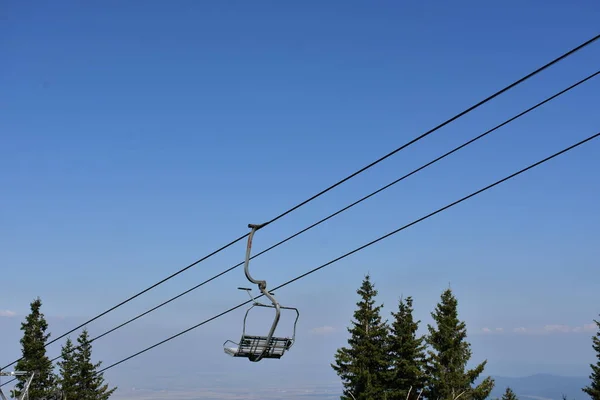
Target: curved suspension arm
{"x": 262, "y": 286}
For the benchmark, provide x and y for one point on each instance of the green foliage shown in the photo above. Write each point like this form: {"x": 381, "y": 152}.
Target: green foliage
{"x": 446, "y": 362}
{"x": 593, "y": 390}
{"x": 34, "y": 357}
{"x": 393, "y": 364}
{"x": 68, "y": 371}
{"x": 363, "y": 366}
{"x": 509, "y": 395}
{"x": 78, "y": 378}
{"x": 79, "y": 375}
{"x": 407, "y": 353}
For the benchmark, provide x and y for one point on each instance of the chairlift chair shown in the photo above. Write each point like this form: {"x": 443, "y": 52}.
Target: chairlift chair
{"x": 253, "y": 347}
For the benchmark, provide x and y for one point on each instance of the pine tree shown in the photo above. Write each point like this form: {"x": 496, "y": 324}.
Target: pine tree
{"x": 364, "y": 365}
{"x": 90, "y": 384}
{"x": 407, "y": 353}
{"x": 446, "y": 364}
{"x": 593, "y": 390}
{"x": 34, "y": 357}
{"x": 68, "y": 371}
{"x": 509, "y": 395}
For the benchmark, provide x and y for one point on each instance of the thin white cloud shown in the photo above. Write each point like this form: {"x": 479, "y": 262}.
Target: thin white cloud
{"x": 322, "y": 330}
{"x": 7, "y": 313}
{"x": 488, "y": 331}
{"x": 555, "y": 329}
{"x": 590, "y": 327}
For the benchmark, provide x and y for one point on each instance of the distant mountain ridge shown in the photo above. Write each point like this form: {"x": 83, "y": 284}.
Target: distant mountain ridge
{"x": 542, "y": 387}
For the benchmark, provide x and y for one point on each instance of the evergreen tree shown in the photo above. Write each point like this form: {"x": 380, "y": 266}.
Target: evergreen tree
{"x": 34, "y": 357}
{"x": 68, "y": 371}
{"x": 364, "y": 365}
{"x": 509, "y": 395}
{"x": 593, "y": 390}
{"x": 446, "y": 364}
{"x": 90, "y": 385}
{"x": 407, "y": 353}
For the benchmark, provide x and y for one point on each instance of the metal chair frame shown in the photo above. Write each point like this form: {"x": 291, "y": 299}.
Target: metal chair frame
{"x": 271, "y": 347}
{"x": 25, "y": 391}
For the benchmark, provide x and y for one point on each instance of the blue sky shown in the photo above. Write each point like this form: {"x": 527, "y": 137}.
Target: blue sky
{"x": 138, "y": 138}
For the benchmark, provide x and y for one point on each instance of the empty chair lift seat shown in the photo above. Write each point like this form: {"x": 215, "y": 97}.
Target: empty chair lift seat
{"x": 253, "y": 347}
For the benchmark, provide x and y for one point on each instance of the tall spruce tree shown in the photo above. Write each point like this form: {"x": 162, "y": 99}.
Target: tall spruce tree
{"x": 446, "y": 363}
{"x": 89, "y": 383}
{"x": 509, "y": 394}
{"x": 593, "y": 390}
{"x": 364, "y": 365}
{"x": 67, "y": 378}
{"x": 407, "y": 352}
{"x": 34, "y": 357}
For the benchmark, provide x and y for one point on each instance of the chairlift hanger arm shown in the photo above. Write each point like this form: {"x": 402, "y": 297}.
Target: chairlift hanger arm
{"x": 262, "y": 286}
{"x": 261, "y": 283}
{"x": 255, "y": 348}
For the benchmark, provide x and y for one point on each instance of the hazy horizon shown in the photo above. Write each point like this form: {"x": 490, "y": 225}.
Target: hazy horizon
{"x": 306, "y": 365}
